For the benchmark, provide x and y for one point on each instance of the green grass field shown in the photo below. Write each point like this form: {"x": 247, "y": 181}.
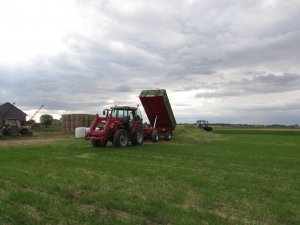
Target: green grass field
{"x": 230, "y": 176}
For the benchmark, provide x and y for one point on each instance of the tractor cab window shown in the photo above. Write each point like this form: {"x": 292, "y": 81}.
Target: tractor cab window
{"x": 119, "y": 113}
{"x": 114, "y": 113}
{"x": 131, "y": 115}
{"x": 138, "y": 114}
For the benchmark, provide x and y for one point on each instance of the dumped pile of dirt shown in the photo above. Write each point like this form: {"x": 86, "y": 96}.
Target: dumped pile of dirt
{"x": 186, "y": 134}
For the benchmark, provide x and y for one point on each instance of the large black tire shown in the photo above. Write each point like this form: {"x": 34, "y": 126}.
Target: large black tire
{"x": 26, "y": 132}
{"x": 121, "y": 138}
{"x": 137, "y": 138}
{"x": 168, "y": 135}
{"x": 13, "y": 131}
{"x": 155, "y": 136}
{"x": 208, "y": 129}
{"x": 97, "y": 143}
{"x": 5, "y": 132}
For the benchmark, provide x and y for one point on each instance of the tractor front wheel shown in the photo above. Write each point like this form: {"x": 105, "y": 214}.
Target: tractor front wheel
{"x": 121, "y": 138}
{"x": 97, "y": 143}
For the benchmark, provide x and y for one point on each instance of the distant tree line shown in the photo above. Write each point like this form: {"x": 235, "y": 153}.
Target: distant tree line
{"x": 241, "y": 125}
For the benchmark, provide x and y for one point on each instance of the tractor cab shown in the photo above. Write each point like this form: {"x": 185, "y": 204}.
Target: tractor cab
{"x": 126, "y": 113}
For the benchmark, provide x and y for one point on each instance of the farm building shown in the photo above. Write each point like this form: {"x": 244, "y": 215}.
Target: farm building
{"x": 10, "y": 111}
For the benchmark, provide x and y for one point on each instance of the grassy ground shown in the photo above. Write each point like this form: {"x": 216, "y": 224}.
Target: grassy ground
{"x": 225, "y": 177}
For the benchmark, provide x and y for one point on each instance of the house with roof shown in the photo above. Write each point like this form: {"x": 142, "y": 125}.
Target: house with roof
{"x": 10, "y": 111}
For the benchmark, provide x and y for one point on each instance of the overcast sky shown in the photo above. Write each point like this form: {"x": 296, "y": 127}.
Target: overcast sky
{"x": 222, "y": 61}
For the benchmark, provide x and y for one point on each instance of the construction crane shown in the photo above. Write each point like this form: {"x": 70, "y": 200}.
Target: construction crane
{"x": 36, "y": 112}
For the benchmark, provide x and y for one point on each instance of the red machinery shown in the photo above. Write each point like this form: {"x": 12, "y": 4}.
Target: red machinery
{"x": 119, "y": 125}
{"x": 158, "y": 109}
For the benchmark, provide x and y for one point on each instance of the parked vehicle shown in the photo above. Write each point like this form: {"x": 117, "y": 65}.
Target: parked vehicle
{"x": 120, "y": 125}
{"x": 13, "y": 127}
{"x": 203, "y": 124}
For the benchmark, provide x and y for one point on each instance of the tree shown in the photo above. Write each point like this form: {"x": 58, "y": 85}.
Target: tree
{"x": 31, "y": 122}
{"x": 46, "y": 119}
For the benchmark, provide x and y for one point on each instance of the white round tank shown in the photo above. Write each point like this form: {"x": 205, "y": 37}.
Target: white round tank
{"x": 80, "y": 132}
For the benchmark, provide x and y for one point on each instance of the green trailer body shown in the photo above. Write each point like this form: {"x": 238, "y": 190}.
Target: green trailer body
{"x": 158, "y": 109}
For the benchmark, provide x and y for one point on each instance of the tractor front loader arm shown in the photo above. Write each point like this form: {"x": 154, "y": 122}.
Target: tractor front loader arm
{"x": 95, "y": 122}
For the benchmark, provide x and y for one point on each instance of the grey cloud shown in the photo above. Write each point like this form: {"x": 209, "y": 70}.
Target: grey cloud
{"x": 270, "y": 84}
{"x": 123, "y": 88}
{"x": 177, "y": 45}
{"x": 183, "y": 105}
{"x": 283, "y": 107}
{"x": 261, "y": 84}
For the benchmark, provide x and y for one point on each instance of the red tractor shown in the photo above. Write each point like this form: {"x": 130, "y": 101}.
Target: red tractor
{"x": 120, "y": 124}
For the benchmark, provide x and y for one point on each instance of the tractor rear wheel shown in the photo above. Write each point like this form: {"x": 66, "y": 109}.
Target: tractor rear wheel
{"x": 208, "y": 129}
{"x": 168, "y": 135}
{"x": 121, "y": 138}
{"x": 97, "y": 143}
{"x": 155, "y": 136}
{"x": 13, "y": 131}
{"x": 5, "y": 132}
{"x": 138, "y": 135}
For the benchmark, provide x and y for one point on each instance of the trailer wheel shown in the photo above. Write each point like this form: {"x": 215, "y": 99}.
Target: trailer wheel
{"x": 168, "y": 135}
{"x": 138, "y": 135}
{"x": 97, "y": 143}
{"x": 121, "y": 138}
{"x": 155, "y": 136}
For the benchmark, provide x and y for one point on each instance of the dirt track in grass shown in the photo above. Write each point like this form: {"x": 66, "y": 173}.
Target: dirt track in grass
{"x": 36, "y": 139}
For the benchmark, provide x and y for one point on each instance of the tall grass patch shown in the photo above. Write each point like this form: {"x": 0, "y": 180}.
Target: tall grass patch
{"x": 197, "y": 178}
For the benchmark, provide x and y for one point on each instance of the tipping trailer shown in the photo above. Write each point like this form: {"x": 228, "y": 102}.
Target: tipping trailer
{"x": 160, "y": 114}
